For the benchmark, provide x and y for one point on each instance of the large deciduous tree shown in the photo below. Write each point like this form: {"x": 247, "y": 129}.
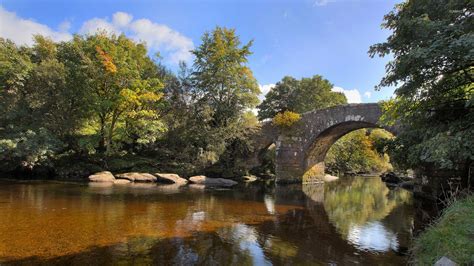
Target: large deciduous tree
{"x": 123, "y": 82}
{"x": 299, "y": 96}
{"x": 432, "y": 44}
{"x": 222, "y": 78}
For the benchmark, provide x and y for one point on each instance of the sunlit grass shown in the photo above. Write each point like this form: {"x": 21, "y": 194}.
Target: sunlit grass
{"x": 452, "y": 235}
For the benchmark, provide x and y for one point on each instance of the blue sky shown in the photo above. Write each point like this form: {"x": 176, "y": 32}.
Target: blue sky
{"x": 296, "y": 38}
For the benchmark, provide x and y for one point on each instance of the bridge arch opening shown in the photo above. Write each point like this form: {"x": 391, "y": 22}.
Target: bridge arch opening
{"x": 317, "y": 149}
{"x": 266, "y": 161}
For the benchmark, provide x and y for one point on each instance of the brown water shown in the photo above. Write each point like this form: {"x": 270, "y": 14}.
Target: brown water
{"x": 353, "y": 220}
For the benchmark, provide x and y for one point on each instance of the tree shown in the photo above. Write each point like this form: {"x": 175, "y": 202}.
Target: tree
{"x": 54, "y": 96}
{"x": 123, "y": 82}
{"x": 222, "y": 79}
{"x": 432, "y": 44}
{"x": 299, "y": 96}
{"x": 34, "y": 117}
{"x": 207, "y": 105}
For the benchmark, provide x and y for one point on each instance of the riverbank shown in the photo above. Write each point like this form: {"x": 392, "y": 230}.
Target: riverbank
{"x": 79, "y": 168}
{"x": 452, "y": 235}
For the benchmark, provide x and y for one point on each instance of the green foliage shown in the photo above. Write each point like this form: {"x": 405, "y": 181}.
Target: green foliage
{"x": 451, "y": 236}
{"x": 28, "y": 148}
{"x": 286, "y": 119}
{"x": 208, "y": 105}
{"x": 356, "y": 152}
{"x": 432, "y": 43}
{"x": 360, "y": 200}
{"x": 125, "y": 95}
{"x": 299, "y": 96}
{"x": 74, "y": 96}
{"x": 222, "y": 80}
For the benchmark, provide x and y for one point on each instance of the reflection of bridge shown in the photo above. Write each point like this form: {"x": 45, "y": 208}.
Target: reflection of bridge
{"x": 300, "y": 150}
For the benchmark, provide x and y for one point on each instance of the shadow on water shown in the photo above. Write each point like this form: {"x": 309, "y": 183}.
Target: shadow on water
{"x": 248, "y": 225}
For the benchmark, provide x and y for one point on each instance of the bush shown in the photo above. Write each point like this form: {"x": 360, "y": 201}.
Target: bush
{"x": 286, "y": 119}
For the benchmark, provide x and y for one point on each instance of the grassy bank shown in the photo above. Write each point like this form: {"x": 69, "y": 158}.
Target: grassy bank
{"x": 452, "y": 235}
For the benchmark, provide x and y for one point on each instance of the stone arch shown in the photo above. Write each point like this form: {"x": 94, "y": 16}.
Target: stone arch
{"x": 317, "y": 150}
{"x": 266, "y": 136}
{"x": 302, "y": 149}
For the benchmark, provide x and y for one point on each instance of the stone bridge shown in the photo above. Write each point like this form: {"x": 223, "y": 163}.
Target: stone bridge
{"x": 300, "y": 150}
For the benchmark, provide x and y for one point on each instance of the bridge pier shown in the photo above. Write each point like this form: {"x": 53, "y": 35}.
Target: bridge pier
{"x": 289, "y": 160}
{"x": 292, "y": 165}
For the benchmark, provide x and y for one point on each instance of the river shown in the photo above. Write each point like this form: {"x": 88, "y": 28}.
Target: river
{"x": 348, "y": 221}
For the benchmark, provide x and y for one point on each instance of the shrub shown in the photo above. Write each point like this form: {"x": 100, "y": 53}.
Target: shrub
{"x": 286, "y": 119}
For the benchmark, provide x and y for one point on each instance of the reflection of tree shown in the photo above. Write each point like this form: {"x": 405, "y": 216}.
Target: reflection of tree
{"x": 314, "y": 191}
{"x": 356, "y": 201}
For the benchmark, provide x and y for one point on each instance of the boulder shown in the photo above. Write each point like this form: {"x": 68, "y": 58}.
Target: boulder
{"x": 197, "y": 187}
{"x": 445, "y": 261}
{"x": 137, "y": 177}
{"x": 170, "y": 179}
{"x": 212, "y": 182}
{"x": 329, "y": 178}
{"x": 391, "y": 177}
{"x": 249, "y": 178}
{"x": 104, "y": 176}
{"x": 122, "y": 182}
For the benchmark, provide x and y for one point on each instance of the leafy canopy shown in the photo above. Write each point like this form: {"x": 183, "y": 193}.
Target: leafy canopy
{"x": 432, "y": 44}
{"x": 222, "y": 79}
{"x": 299, "y": 96}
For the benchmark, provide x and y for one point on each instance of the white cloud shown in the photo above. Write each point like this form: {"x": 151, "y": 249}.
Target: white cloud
{"x": 97, "y": 24}
{"x": 174, "y": 45}
{"x": 367, "y": 94}
{"x": 64, "y": 26}
{"x": 264, "y": 89}
{"x": 353, "y": 96}
{"x": 21, "y": 30}
{"x": 122, "y": 19}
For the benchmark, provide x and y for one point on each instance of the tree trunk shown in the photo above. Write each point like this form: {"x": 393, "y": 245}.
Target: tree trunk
{"x": 102, "y": 142}
{"x": 111, "y": 131}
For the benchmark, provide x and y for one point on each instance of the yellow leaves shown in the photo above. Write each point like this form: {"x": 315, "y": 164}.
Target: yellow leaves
{"x": 151, "y": 96}
{"x": 135, "y": 98}
{"x": 286, "y": 119}
{"x": 129, "y": 97}
{"x": 106, "y": 60}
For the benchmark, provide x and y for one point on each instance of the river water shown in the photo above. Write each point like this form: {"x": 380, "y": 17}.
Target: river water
{"x": 355, "y": 220}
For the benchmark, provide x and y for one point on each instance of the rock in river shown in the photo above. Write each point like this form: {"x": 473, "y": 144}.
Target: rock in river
{"x": 391, "y": 177}
{"x": 137, "y": 177}
{"x": 104, "y": 176}
{"x": 249, "y": 178}
{"x": 329, "y": 178}
{"x": 170, "y": 179}
{"x": 122, "y": 182}
{"x": 213, "y": 182}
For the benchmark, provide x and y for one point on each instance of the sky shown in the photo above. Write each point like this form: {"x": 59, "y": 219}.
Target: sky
{"x": 298, "y": 38}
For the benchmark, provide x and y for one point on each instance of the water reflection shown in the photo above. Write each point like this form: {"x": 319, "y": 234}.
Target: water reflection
{"x": 357, "y": 206}
{"x": 249, "y": 225}
{"x": 372, "y": 236}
